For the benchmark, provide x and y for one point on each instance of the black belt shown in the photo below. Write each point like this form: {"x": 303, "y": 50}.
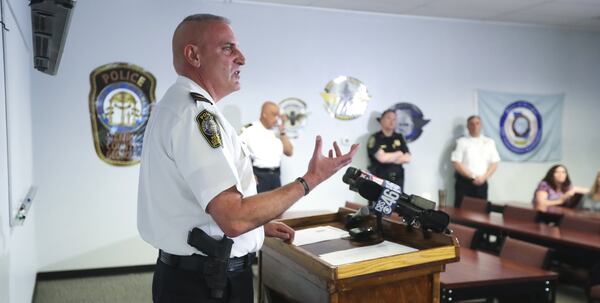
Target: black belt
{"x": 266, "y": 170}
{"x": 196, "y": 262}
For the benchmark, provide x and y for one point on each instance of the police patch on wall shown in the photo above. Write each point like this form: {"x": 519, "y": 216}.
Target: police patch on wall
{"x": 521, "y": 127}
{"x": 409, "y": 120}
{"x": 121, "y": 98}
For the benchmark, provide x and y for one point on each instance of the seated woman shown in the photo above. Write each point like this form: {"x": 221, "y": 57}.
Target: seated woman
{"x": 555, "y": 188}
{"x": 591, "y": 201}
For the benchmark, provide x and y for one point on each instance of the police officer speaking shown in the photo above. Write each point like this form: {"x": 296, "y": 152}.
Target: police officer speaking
{"x": 197, "y": 200}
{"x": 387, "y": 150}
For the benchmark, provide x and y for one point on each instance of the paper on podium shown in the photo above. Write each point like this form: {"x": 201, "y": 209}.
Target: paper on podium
{"x": 383, "y": 249}
{"x": 318, "y": 234}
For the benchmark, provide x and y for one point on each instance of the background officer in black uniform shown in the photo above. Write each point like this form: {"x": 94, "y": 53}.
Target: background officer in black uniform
{"x": 387, "y": 150}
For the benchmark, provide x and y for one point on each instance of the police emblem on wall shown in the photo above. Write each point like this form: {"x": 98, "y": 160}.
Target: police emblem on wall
{"x": 295, "y": 111}
{"x": 521, "y": 127}
{"x": 121, "y": 99}
{"x": 345, "y": 98}
{"x": 409, "y": 120}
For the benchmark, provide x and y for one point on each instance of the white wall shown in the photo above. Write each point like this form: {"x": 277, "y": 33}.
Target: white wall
{"x": 18, "y": 261}
{"x": 89, "y": 207}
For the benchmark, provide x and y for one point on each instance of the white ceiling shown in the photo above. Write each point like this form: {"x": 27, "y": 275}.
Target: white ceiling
{"x": 576, "y": 14}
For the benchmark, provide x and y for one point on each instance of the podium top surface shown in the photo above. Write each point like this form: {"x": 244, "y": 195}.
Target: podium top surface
{"x": 432, "y": 248}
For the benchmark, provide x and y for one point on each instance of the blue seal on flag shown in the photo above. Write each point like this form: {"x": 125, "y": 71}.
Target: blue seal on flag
{"x": 521, "y": 127}
{"x": 409, "y": 120}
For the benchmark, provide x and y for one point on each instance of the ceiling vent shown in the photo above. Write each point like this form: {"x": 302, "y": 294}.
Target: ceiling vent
{"x": 50, "y": 21}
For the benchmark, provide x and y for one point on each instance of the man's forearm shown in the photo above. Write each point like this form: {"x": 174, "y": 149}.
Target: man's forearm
{"x": 288, "y": 148}
{"x": 461, "y": 170}
{"x": 490, "y": 171}
{"x": 236, "y": 215}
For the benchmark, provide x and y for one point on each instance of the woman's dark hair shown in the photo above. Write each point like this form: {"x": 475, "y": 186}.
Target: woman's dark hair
{"x": 549, "y": 178}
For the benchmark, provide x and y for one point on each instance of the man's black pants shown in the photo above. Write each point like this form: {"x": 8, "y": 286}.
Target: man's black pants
{"x": 465, "y": 187}
{"x": 174, "y": 285}
{"x": 267, "y": 178}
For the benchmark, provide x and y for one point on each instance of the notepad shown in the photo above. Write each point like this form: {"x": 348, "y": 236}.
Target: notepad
{"x": 353, "y": 255}
{"x": 318, "y": 234}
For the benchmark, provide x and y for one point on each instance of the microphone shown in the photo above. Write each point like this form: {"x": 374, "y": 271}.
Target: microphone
{"x": 413, "y": 208}
{"x": 353, "y": 175}
{"x": 357, "y": 218}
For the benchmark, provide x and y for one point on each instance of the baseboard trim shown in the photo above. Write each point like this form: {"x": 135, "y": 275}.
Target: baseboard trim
{"x": 94, "y": 272}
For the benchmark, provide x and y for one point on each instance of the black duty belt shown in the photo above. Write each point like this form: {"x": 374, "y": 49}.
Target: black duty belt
{"x": 266, "y": 170}
{"x": 196, "y": 262}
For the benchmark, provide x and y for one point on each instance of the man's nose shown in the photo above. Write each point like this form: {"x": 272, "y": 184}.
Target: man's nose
{"x": 241, "y": 60}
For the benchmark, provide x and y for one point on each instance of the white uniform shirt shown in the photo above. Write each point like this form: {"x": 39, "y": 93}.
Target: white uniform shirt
{"x": 475, "y": 153}
{"x": 265, "y": 148}
{"x": 181, "y": 173}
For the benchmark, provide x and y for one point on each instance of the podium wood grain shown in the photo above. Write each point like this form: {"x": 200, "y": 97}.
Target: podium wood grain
{"x": 299, "y": 275}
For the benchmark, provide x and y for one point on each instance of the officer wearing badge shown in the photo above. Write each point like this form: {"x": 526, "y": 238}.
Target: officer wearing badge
{"x": 475, "y": 160}
{"x": 387, "y": 150}
{"x": 197, "y": 201}
{"x": 266, "y": 148}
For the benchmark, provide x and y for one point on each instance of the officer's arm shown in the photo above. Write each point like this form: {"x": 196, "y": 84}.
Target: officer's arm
{"x": 288, "y": 148}
{"x": 462, "y": 170}
{"x": 236, "y": 215}
{"x": 384, "y": 157}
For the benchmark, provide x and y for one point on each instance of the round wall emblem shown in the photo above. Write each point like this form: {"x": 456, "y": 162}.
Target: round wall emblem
{"x": 409, "y": 120}
{"x": 345, "y": 98}
{"x": 521, "y": 127}
{"x": 296, "y": 112}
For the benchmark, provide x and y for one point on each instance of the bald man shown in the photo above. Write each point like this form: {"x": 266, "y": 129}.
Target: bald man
{"x": 266, "y": 147}
{"x": 196, "y": 176}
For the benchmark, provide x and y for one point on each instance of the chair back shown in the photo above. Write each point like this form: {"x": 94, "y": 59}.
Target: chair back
{"x": 573, "y": 222}
{"x": 475, "y": 204}
{"x": 519, "y": 213}
{"x": 464, "y": 234}
{"x": 574, "y": 201}
{"x": 524, "y": 252}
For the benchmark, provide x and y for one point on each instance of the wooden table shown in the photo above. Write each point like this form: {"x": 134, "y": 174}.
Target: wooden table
{"x": 481, "y": 275}
{"x": 553, "y": 213}
{"x": 534, "y": 232}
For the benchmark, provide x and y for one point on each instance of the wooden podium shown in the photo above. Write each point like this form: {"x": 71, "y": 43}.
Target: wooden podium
{"x": 292, "y": 273}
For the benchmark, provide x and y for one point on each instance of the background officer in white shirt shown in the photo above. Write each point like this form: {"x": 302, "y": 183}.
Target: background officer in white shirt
{"x": 195, "y": 173}
{"x": 266, "y": 148}
{"x": 475, "y": 159}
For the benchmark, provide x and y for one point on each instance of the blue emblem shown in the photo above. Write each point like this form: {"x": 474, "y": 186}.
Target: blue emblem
{"x": 409, "y": 120}
{"x": 521, "y": 127}
{"x": 121, "y": 107}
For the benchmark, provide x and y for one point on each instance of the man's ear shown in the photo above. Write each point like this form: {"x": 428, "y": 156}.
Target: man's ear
{"x": 192, "y": 55}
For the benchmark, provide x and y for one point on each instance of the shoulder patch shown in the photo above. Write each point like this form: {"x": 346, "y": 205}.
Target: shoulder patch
{"x": 371, "y": 142}
{"x": 209, "y": 128}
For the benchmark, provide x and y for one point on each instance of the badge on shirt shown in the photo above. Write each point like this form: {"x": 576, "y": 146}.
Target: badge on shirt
{"x": 396, "y": 143}
{"x": 209, "y": 128}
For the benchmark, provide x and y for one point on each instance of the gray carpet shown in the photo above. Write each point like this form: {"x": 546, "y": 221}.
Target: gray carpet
{"x": 134, "y": 288}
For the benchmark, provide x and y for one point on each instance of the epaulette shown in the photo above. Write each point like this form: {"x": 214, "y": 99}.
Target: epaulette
{"x": 199, "y": 97}
{"x": 243, "y": 128}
